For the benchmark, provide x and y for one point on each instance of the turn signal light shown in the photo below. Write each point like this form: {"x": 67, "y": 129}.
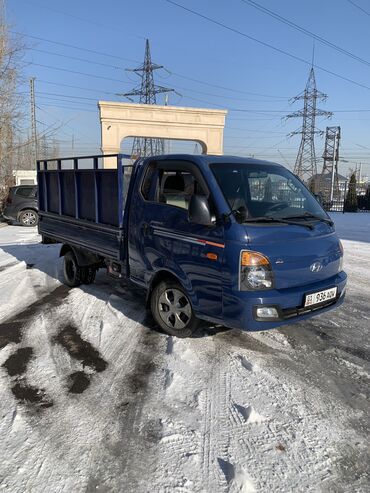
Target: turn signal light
{"x": 212, "y": 256}
{"x": 253, "y": 259}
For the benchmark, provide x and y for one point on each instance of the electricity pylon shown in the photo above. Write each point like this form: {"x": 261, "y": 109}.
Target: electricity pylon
{"x": 147, "y": 92}
{"x": 305, "y": 165}
{"x": 330, "y": 166}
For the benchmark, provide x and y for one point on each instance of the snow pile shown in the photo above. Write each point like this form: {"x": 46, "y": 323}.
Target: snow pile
{"x": 20, "y": 283}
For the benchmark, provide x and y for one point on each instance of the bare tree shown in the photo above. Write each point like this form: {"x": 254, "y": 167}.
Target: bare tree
{"x": 16, "y": 144}
{"x": 11, "y": 52}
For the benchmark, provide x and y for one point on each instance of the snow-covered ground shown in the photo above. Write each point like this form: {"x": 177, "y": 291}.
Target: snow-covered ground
{"x": 94, "y": 399}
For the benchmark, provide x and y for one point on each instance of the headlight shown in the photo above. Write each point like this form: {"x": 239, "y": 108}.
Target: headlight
{"x": 255, "y": 271}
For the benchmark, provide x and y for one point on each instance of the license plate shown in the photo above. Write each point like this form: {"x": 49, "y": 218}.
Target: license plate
{"x": 320, "y": 297}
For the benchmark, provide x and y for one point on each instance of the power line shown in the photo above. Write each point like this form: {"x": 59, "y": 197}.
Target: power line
{"x": 253, "y": 130}
{"x": 41, "y": 93}
{"x": 176, "y": 87}
{"x": 265, "y": 44}
{"x": 78, "y": 73}
{"x": 61, "y": 121}
{"x": 277, "y": 98}
{"x": 67, "y": 45}
{"x": 65, "y": 13}
{"x": 66, "y": 95}
{"x": 223, "y": 87}
{"x": 358, "y": 7}
{"x": 83, "y": 19}
{"x": 124, "y": 82}
{"x": 66, "y": 100}
{"x": 80, "y": 110}
{"x": 135, "y": 61}
{"x": 76, "y": 58}
{"x": 301, "y": 29}
{"x": 76, "y": 87}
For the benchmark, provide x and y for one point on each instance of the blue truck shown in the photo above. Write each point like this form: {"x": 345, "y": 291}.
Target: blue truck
{"x": 227, "y": 240}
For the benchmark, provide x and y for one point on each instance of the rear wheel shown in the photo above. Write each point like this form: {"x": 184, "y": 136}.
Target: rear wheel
{"x": 73, "y": 273}
{"x": 172, "y": 310}
{"x": 88, "y": 276}
{"x": 76, "y": 275}
{"x": 28, "y": 218}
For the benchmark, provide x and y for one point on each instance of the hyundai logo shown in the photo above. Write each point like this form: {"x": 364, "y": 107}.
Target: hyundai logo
{"x": 316, "y": 267}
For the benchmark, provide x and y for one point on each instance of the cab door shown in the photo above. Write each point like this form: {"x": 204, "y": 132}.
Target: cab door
{"x": 166, "y": 240}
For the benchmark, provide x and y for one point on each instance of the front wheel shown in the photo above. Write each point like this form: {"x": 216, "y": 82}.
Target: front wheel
{"x": 28, "y": 218}
{"x": 172, "y": 309}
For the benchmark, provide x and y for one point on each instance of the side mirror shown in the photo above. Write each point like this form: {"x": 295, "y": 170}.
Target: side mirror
{"x": 199, "y": 212}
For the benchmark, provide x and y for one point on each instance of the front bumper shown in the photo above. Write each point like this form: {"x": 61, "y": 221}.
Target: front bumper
{"x": 240, "y": 307}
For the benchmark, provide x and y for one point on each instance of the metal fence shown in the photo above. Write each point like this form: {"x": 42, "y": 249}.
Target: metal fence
{"x": 334, "y": 199}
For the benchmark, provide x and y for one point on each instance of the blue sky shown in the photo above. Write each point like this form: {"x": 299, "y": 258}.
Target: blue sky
{"x": 251, "y": 80}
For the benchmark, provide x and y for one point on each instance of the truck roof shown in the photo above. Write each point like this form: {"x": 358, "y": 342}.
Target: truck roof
{"x": 214, "y": 159}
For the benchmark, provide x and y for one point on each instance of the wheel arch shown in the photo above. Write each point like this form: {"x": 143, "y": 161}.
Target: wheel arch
{"x": 162, "y": 275}
{"x": 84, "y": 257}
{"x": 25, "y": 208}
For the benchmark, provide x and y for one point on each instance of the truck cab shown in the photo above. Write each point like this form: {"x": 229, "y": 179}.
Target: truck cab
{"x": 228, "y": 240}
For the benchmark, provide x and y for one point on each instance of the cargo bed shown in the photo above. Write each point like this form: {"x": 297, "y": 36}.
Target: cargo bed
{"x": 81, "y": 203}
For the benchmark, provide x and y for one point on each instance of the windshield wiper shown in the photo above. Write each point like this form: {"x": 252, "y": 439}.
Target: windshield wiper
{"x": 240, "y": 213}
{"x": 270, "y": 219}
{"x": 308, "y": 215}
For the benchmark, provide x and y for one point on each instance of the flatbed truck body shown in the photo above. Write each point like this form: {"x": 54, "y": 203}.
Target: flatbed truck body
{"x": 228, "y": 240}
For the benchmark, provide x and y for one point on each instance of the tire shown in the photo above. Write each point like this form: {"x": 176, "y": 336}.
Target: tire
{"x": 29, "y": 218}
{"x": 172, "y": 310}
{"x": 73, "y": 273}
{"x": 88, "y": 274}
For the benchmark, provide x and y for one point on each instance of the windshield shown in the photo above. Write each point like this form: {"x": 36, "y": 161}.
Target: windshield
{"x": 255, "y": 191}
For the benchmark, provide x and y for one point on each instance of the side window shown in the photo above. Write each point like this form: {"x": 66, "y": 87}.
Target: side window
{"x": 170, "y": 187}
{"x": 177, "y": 187}
{"x": 27, "y": 192}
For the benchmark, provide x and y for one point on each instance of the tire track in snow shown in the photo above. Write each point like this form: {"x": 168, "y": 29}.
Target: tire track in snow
{"x": 223, "y": 471}
{"x": 140, "y": 430}
{"x": 216, "y": 425}
{"x": 198, "y": 395}
{"x": 288, "y": 438}
{"x": 200, "y": 367}
{"x": 240, "y": 449}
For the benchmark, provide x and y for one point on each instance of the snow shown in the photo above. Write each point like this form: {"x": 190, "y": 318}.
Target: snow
{"x": 94, "y": 398}
{"x": 352, "y": 226}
